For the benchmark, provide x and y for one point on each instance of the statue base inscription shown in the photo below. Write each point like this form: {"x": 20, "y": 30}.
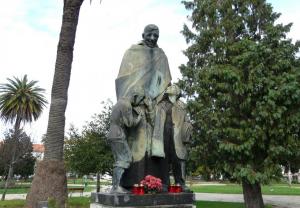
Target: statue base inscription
{"x": 162, "y": 200}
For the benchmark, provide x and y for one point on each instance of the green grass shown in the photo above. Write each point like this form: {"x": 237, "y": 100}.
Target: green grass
{"x": 15, "y": 191}
{"x": 12, "y": 203}
{"x": 84, "y": 202}
{"x": 206, "y": 204}
{"x": 225, "y": 189}
{"x": 20, "y": 188}
{"x": 276, "y": 189}
{"x": 25, "y": 190}
{"x": 80, "y": 202}
{"x": 281, "y": 190}
{"x": 73, "y": 202}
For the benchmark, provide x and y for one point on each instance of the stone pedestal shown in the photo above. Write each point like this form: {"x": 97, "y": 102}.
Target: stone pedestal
{"x": 161, "y": 200}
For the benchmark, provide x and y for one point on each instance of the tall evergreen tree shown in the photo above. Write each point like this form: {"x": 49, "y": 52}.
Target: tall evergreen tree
{"x": 242, "y": 81}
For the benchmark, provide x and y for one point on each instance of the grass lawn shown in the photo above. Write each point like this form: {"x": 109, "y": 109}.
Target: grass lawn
{"x": 12, "y": 203}
{"x": 25, "y": 190}
{"x": 206, "y": 204}
{"x": 20, "y": 188}
{"x": 15, "y": 191}
{"x": 84, "y": 202}
{"x": 79, "y": 202}
{"x": 73, "y": 202}
{"x": 276, "y": 189}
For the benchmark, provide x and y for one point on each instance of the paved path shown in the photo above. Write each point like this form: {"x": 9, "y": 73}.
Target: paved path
{"x": 278, "y": 201}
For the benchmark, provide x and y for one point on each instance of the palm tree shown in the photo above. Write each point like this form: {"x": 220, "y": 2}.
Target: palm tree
{"x": 21, "y": 101}
{"x": 50, "y": 179}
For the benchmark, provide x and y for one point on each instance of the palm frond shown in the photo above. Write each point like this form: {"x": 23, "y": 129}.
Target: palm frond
{"x": 20, "y": 98}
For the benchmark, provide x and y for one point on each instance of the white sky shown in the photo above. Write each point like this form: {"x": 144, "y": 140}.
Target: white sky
{"x": 29, "y": 31}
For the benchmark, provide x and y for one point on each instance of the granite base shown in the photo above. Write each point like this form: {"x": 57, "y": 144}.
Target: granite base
{"x": 161, "y": 200}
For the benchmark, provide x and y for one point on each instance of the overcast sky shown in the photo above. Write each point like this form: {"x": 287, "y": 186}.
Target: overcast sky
{"x": 29, "y": 31}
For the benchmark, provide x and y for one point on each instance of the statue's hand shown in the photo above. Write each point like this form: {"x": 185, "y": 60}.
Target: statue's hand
{"x": 148, "y": 102}
{"x": 139, "y": 113}
{"x": 139, "y": 118}
{"x": 138, "y": 110}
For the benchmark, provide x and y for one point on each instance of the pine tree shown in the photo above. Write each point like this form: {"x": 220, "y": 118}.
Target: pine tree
{"x": 242, "y": 81}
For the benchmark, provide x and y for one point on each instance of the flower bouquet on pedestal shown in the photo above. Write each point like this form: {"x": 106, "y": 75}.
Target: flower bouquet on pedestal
{"x": 152, "y": 184}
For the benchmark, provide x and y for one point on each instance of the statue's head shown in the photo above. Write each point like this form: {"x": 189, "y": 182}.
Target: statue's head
{"x": 150, "y": 35}
{"x": 173, "y": 92}
{"x": 137, "y": 95}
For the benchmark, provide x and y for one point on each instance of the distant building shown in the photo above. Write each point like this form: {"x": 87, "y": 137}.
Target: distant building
{"x": 38, "y": 151}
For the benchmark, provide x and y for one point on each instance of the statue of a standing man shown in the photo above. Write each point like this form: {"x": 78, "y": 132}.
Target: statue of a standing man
{"x": 145, "y": 66}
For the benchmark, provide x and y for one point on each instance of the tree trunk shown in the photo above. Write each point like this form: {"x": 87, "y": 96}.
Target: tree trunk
{"x": 50, "y": 183}
{"x": 50, "y": 176}
{"x": 290, "y": 177}
{"x": 8, "y": 179}
{"x": 98, "y": 182}
{"x": 252, "y": 195}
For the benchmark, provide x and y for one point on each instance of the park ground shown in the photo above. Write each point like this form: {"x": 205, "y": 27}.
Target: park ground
{"x": 208, "y": 195}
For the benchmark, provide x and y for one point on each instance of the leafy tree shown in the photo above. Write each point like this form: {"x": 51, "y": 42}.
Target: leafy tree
{"x": 242, "y": 83}
{"x": 50, "y": 178}
{"x": 21, "y": 101}
{"x": 89, "y": 152}
{"x": 25, "y": 166}
{"x": 24, "y": 160}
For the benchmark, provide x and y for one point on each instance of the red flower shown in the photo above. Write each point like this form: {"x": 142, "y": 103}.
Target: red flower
{"x": 152, "y": 184}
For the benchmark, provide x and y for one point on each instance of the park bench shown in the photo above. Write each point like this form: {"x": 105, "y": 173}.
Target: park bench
{"x": 74, "y": 190}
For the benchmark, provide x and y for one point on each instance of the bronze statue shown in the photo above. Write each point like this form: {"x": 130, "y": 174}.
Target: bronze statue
{"x": 122, "y": 117}
{"x": 144, "y": 65}
{"x": 182, "y": 130}
{"x": 152, "y": 144}
{"x": 172, "y": 131}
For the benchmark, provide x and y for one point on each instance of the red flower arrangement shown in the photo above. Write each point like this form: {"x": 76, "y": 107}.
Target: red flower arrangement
{"x": 152, "y": 184}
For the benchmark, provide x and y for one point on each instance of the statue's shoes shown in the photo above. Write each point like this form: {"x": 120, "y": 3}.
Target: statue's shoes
{"x": 119, "y": 190}
{"x": 185, "y": 188}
